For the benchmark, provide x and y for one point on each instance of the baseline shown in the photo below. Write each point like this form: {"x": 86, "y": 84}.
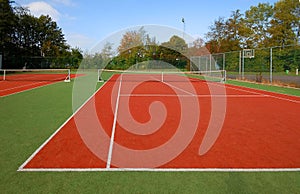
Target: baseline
{"x": 201, "y": 95}
{"x": 21, "y": 168}
{"x": 22, "y": 86}
{"x": 162, "y": 170}
{"x": 39, "y": 85}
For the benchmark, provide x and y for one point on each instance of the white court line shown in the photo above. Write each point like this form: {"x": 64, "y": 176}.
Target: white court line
{"x": 267, "y": 95}
{"x": 200, "y": 95}
{"x": 161, "y": 170}
{"x": 112, "y": 138}
{"x": 50, "y": 83}
{"x": 238, "y": 89}
{"x": 259, "y": 93}
{"x": 22, "y": 86}
{"x": 30, "y": 89}
{"x": 142, "y": 169}
{"x": 22, "y": 76}
{"x": 21, "y": 168}
{"x": 295, "y": 101}
{"x": 179, "y": 89}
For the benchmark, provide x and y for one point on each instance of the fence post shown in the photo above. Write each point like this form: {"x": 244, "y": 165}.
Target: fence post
{"x": 240, "y": 61}
{"x": 210, "y": 62}
{"x": 205, "y": 63}
{"x": 271, "y": 65}
{"x": 0, "y": 61}
{"x": 243, "y": 65}
{"x": 223, "y": 61}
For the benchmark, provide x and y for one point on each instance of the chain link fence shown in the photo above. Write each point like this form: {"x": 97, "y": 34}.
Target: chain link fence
{"x": 274, "y": 65}
{"x": 35, "y": 62}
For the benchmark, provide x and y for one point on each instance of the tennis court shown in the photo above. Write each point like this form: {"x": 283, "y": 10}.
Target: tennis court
{"x": 169, "y": 123}
{"x": 18, "y": 80}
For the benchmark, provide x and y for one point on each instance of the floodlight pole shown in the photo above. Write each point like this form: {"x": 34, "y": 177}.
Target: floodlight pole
{"x": 183, "y": 28}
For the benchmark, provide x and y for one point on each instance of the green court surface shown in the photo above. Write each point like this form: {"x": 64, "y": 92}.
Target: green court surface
{"x": 30, "y": 117}
{"x": 271, "y": 88}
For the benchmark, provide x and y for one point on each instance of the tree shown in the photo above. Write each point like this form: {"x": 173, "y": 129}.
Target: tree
{"x": 144, "y": 48}
{"x": 173, "y": 52}
{"x": 7, "y": 23}
{"x": 176, "y": 43}
{"x": 107, "y": 51}
{"x": 285, "y": 26}
{"x": 135, "y": 46}
{"x": 235, "y": 31}
{"x": 198, "y": 48}
{"x": 32, "y": 42}
{"x": 76, "y": 57}
{"x": 150, "y": 41}
{"x": 226, "y": 35}
{"x": 51, "y": 38}
{"x": 131, "y": 39}
{"x": 257, "y": 21}
{"x": 217, "y": 35}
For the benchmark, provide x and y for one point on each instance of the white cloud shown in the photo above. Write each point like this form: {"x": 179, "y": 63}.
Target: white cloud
{"x": 42, "y": 8}
{"x": 79, "y": 40}
{"x": 65, "y": 2}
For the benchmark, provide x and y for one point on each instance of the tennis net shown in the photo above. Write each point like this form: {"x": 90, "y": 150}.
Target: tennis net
{"x": 164, "y": 76}
{"x": 35, "y": 75}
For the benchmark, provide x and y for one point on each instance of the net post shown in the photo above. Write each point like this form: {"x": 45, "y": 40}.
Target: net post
{"x": 99, "y": 79}
{"x": 4, "y": 74}
{"x": 68, "y": 78}
{"x": 224, "y": 76}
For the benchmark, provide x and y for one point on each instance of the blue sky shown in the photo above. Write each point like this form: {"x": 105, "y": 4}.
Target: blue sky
{"x": 85, "y": 23}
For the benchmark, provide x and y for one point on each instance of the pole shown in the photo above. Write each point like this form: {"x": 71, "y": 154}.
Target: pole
{"x": 223, "y": 61}
{"x": 205, "y": 63}
{"x": 271, "y": 65}
{"x": 240, "y": 59}
{"x": 183, "y": 28}
{"x": 243, "y": 65}
{"x": 0, "y": 61}
{"x": 210, "y": 62}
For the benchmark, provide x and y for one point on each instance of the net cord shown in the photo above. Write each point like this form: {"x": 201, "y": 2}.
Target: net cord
{"x": 67, "y": 79}
{"x": 162, "y": 73}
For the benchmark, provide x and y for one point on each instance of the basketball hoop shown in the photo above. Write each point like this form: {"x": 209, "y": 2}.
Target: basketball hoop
{"x": 248, "y": 53}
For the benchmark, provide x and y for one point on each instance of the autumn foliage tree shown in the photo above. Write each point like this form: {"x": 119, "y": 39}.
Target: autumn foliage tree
{"x": 261, "y": 26}
{"x": 285, "y": 24}
{"x": 137, "y": 46}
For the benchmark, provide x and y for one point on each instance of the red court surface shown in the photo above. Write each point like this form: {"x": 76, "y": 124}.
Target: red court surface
{"x": 171, "y": 126}
{"x": 22, "y": 82}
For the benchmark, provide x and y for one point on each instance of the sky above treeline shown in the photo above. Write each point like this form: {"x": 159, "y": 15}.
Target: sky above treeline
{"x": 86, "y": 23}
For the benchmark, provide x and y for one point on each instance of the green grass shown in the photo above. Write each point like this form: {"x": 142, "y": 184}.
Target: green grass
{"x": 265, "y": 87}
{"x": 29, "y": 118}
{"x": 291, "y": 73}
